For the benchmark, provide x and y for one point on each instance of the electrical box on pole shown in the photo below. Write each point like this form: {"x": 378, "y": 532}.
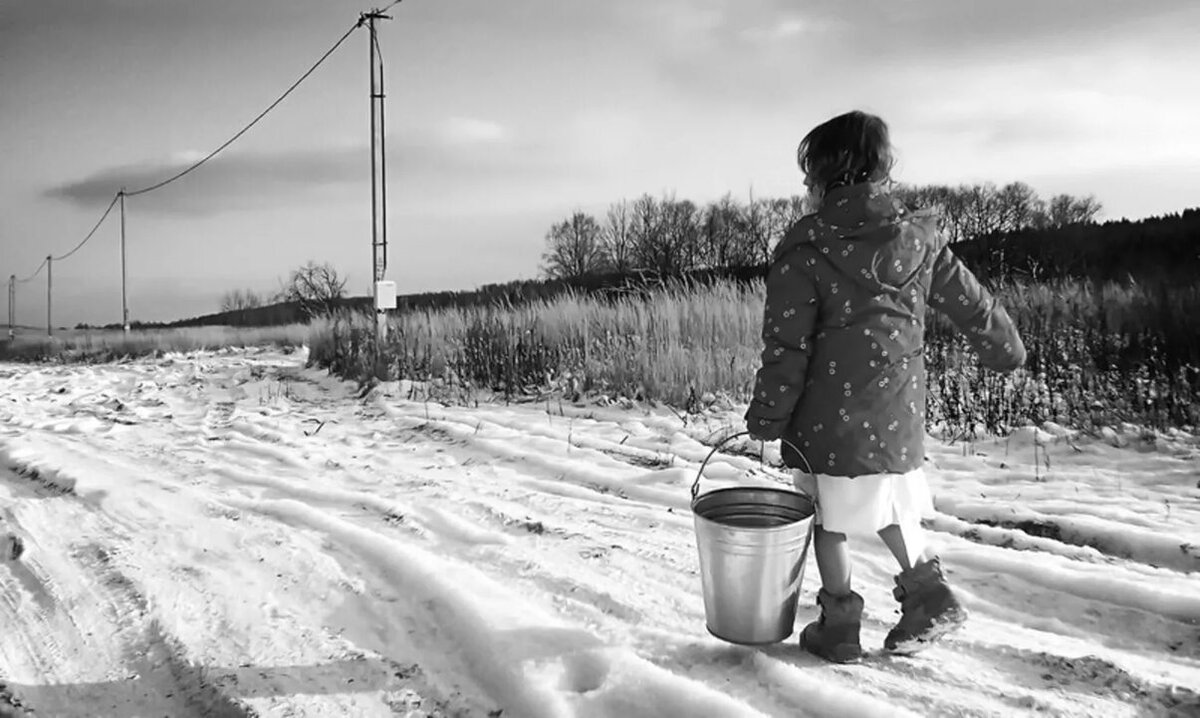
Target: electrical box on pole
{"x": 385, "y": 295}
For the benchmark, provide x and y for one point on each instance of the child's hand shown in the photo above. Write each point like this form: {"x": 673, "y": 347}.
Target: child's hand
{"x": 763, "y": 429}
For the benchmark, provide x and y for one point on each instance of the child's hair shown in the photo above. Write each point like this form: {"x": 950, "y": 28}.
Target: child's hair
{"x": 848, "y": 149}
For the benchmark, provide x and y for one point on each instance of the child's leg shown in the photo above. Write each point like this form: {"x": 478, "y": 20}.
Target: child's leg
{"x": 908, "y": 552}
{"x": 834, "y": 636}
{"x": 833, "y": 560}
{"x": 929, "y": 608}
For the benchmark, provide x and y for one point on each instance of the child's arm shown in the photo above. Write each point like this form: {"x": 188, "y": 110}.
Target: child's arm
{"x": 958, "y": 294}
{"x": 789, "y": 322}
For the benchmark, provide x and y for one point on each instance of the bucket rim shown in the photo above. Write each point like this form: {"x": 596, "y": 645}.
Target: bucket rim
{"x": 768, "y": 489}
{"x": 791, "y": 494}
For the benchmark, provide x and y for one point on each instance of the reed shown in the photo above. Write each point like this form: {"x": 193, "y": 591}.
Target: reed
{"x": 97, "y": 345}
{"x": 1098, "y": 353}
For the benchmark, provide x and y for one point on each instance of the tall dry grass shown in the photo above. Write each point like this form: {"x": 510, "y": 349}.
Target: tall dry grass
{"x": 667, "y": 345}
{"x": 107, "y": 345}
{"x": 1098, "y": 354}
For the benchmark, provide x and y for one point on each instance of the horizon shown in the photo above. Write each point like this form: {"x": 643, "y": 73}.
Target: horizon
{"x": 502, "y": 120}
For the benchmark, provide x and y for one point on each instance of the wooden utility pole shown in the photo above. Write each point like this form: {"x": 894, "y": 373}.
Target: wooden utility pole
{"x": 378, "y": 175}
{"x": 49, "y": 292}
{"x": 12, "y": 311}
{"x": 124, "y": 301}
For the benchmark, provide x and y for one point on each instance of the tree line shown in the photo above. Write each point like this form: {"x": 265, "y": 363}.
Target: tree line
{"x": 668, "y": 236}
{"x": 1060, "y": 239}
{"x": 1151, "y": 249}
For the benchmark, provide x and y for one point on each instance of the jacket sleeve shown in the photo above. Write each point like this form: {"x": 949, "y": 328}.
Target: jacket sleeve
{"x": 956, "y": 293}
{"x": 789, "y": 322}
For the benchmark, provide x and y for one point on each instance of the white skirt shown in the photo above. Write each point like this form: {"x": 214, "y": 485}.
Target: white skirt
{"x": 866, "y": 504}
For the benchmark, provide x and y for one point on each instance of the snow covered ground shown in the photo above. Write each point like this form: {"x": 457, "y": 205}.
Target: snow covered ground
{"x": 232, "y": 534}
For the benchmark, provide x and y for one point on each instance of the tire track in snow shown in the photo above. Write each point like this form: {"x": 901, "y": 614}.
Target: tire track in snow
{"x": 575, "y": 588}
{"x": 155, "y": 657}
{"x": 579, "y": 586}
{"x": 525, "y": 659}
{"x": 1081, "y": 580}
{"x": 1092, "y": 683}
{"x": 1139, "y": 545}
{"x": 672, "y": 460}
{"x": 67, "y": 602}
{"x": 547, "y": 457}
{"x": 170, "y": 676}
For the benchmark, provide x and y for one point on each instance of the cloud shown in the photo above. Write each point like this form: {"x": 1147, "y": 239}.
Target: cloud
{"x": 228, "y": 180}
{"x": 764, "y": 52}
{"x": 468, "y": 130}
{"x": 780, "y": 29}
{"x": 462, "y": 160}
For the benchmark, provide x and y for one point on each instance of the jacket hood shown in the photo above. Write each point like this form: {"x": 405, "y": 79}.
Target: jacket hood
{"x": 866, "y": 233}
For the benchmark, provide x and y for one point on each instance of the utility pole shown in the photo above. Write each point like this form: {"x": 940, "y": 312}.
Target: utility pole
{"x": 124, "y": 301}
{"x": 12, "y": 311}
{"x": 49, "y": 288}
{"x": 383, "y": 293}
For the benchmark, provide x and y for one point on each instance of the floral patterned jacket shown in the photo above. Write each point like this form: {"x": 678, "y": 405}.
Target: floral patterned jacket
{"x": 843, "y": 366}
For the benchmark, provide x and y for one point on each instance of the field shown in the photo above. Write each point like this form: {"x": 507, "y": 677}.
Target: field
{"x": 234, "y": 534}
{"x": 489, "y": 516}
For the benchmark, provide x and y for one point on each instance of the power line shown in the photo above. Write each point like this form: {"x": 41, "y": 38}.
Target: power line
{"x": 35, "y": 273}
{"x": 122, "y": 194}
{"x": 89, "y": 234}
{"x": 253, "y": 122}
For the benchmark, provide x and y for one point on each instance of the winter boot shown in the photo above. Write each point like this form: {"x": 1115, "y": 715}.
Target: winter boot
{"x": 928, "y": 608}
{"x": 834, "y": 636}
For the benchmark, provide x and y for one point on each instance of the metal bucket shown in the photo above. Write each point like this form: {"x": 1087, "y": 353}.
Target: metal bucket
{"x": 753, "y": 543}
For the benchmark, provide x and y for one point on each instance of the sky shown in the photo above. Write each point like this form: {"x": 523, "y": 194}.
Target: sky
{"x": 503, "y": 118}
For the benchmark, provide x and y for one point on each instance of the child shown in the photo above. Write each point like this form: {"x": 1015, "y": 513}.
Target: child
{"x": 11, "y": 544}
{"x": 843, "y": 374}
{"x": 11, "y": 547}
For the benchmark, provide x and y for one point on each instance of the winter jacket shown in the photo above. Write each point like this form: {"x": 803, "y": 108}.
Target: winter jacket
{"x": 843, "y": 365}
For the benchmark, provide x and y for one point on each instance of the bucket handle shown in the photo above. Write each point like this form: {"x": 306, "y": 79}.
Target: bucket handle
{"x": 731, "y": 437}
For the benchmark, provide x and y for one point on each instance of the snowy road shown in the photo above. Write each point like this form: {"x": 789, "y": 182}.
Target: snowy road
{"x": 232, "y": 534}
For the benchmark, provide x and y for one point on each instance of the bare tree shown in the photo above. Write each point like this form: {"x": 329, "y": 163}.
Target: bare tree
{"x": 757, "y": 230}
{"x": 316, "y": 288}
{"x": 1018, "y": 206}
{"x": 719, "y": 235}
{"x": 782, "y": 213}
{"x": 982, "y": 213}
{"x": 617, "y": 238}
{"x": 680, "y": 241}
{"x": 573, "y": 248}
{"x": 646, "y": 222}
{"x": 951, "y": 205}
{"x": 1065, "y": 209}
{"x": 238, "y": 300}
{"x": 969, "y": 211}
